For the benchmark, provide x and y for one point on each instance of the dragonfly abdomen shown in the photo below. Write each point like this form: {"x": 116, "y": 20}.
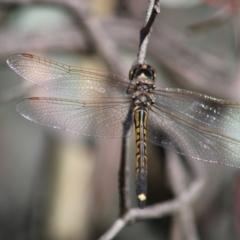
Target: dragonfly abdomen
{"x": 140, "y": 120}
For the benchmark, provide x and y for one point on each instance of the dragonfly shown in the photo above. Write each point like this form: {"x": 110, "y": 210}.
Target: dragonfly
{"x": 106, "y": 105}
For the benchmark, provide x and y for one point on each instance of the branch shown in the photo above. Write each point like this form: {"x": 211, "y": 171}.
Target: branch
{"x": 187, "y": 197}
{"x": 177, "y": 177}
{"x": 153, "y": 10}
{"x": 124, "y": 196}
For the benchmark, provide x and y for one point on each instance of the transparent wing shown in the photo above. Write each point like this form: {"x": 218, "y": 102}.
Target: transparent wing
{"x": 205, "y": 109}
{"x": 170, "y": 131}
{"x": 68, "y": 80}
{"x": 105, "y": 119}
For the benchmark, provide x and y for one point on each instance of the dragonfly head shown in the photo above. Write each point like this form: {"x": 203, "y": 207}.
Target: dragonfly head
{"x": 142, "y": 71}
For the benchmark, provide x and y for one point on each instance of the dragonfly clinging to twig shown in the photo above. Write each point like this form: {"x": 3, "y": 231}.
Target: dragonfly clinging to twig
{"x": 107, "y": 106}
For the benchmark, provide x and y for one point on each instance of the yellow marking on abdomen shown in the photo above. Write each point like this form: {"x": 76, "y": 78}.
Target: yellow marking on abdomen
{"x": 140, "y": 120}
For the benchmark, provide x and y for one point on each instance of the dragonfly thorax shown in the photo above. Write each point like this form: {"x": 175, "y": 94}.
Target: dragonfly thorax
{"x": 142, "y": 98}
{"x": 143, "y": 77}
{"x": 144, "y": 84}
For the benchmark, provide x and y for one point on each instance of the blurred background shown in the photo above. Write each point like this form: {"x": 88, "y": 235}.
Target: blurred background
{"x": 56, "y": 185}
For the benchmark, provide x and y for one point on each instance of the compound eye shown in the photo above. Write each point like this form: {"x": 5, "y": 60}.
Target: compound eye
{"x": 134, "y": 72}
{"x": 142, "y": 70}
{"x": 153, "y": 72}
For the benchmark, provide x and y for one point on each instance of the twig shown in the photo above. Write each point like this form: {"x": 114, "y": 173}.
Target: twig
{"x": 177, "y": 177}
{"x": 157, "y": 210}
{"x": 124, "y": 200}
{"x": 123, "y": 176}
{"x": 153, "y": 10}
{"x": 187, "y": 197}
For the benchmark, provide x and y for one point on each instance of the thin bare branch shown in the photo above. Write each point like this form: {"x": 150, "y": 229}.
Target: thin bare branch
{"x": 153, "y": 10}
{"x": 186, "y": 198}
{"x": 177, "y": 177}
{"x": 124, "y": 196}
